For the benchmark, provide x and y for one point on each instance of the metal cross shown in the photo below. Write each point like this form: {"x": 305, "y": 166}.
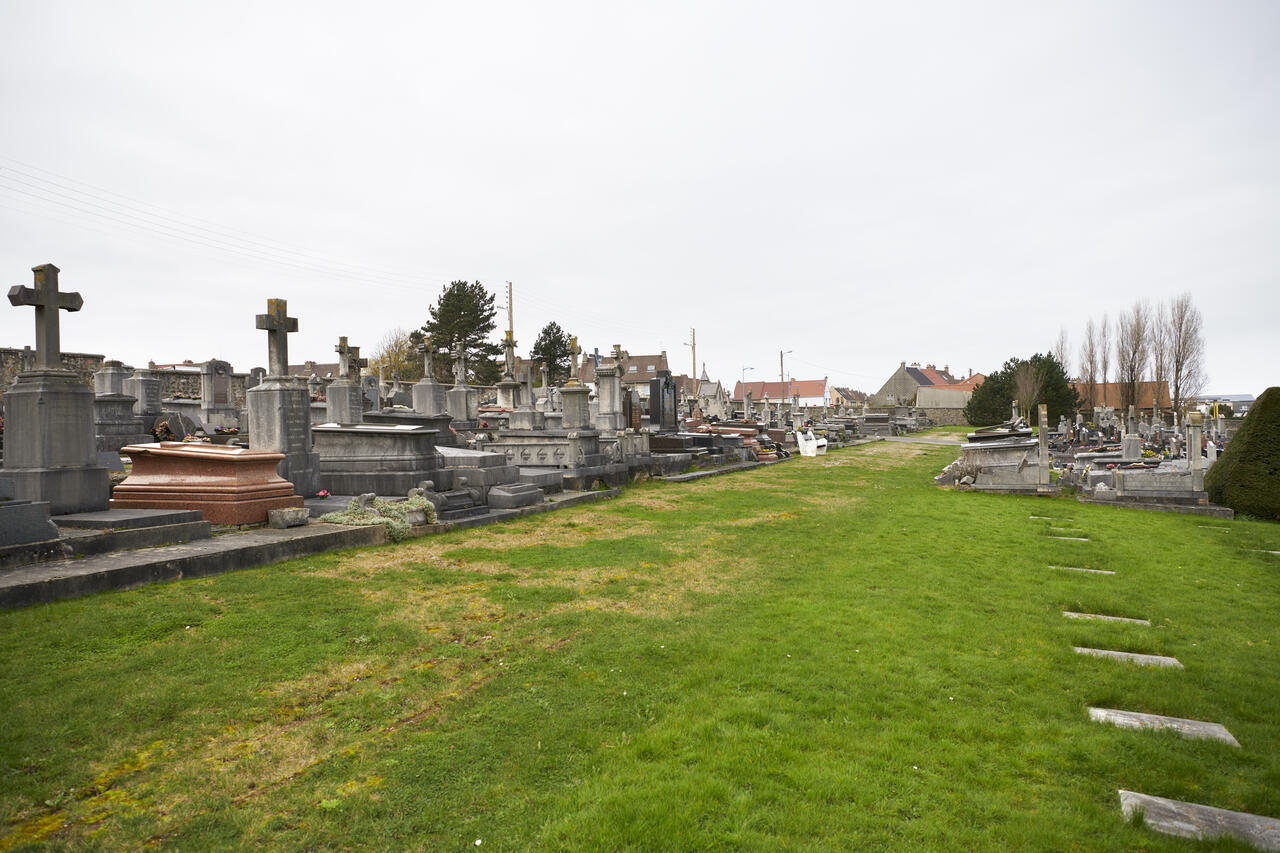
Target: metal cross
{"x": 278, "y": 325}
{"x": 47, "y": 301}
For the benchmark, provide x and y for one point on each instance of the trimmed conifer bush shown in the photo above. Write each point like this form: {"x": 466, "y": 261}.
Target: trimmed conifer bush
{"x": 1246, "y": 476}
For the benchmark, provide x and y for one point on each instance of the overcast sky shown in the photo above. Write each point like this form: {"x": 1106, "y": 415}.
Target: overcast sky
{"x": 858, "y": 183}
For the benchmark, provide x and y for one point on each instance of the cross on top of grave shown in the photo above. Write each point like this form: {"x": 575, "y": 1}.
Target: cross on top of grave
{"x": 278, "y": 325}
{"x": 574, "y": 352}
{"x": 459, "y": 363}
{"x": 47, "y": 301}
{"x": 348, "y": 358}
{"x": 427, "y": 349}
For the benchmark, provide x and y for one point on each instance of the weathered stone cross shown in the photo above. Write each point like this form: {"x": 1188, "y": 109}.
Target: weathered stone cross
{"x": 574, "y": 352}
{"x": 348, "y": 358}
{"x": 459, "y": 363}
{"x": 47, "y": 300}
{"x": 426, "y": 348}
{"x": 278, "y": 325}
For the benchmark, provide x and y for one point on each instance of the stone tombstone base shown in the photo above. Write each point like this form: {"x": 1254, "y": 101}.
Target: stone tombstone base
{"x": 386, "y": 459}
{"x": 527, "y": 419}
{"x": 50, "y": 452}
{"x": 280, "y": 422}
{"x": 429, "y": 397}
{"x": 228, "y": 485}
{"x": 116, "y": 423}
{"x": 576, "y": 408}
{"x": 463, "y": 403}
{"x": 24, "y": 522}
{"x": 345, "y": 402}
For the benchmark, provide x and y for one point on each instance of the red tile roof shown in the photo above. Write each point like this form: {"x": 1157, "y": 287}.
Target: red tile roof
{"x": 783, "y": 390}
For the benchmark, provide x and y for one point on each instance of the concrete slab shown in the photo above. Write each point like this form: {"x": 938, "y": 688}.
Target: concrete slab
{"x": 1191, "y": 820}
{"x": 127, "y": 519}
{"x": 1194, "y": 729}
{"x": 1071, "y": 614}
{"x": 1086, "y": 571}
{"x": 1071, "y": 538}
{"x": 1130, "y": 657}
{"x": 1049, "y": 518}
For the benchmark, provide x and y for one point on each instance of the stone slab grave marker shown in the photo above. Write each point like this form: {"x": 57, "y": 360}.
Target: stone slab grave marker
{"x": 344, "y": 403}
{"x": 1086, "y": 571}
{"x": 462, "y": 401}
{"x": 1191, "y": 820}
{"x": 50, "y": 450}
{"x": 428, "y": 394}
{"x": 1130, "y": 657}
{"x": 1194, "y": 729}
{"x": 1071, "y": 614}
{"x": 280, "y": 408}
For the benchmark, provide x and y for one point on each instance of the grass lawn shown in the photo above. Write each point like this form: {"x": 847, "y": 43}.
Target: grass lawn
{"x": 826, "y": 654}
{"x": 946, "y": 432}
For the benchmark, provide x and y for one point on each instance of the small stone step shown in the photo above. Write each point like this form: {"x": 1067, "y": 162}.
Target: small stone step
{"x": 1196, "y": 729}
{"x": 1087, "y": 571}
{"x": 1191, "y": 820}
{"x": 126, "y": 519}
{"x": 1130, "y": 657}
{"x": 1071, "y": 614}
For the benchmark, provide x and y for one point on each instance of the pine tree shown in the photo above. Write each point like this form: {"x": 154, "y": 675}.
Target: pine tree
{"x": 552, "y": 349}
{"x": 464, "y": 313}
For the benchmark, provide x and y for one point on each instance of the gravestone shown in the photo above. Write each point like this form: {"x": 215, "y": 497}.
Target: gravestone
{"x": 428, "y": 394}
{"x": 609, "y": 391}
{"x": 216, "y": 407}
{"x": 462, "y": 401}
{"x": 144, "y": 387}
{"x": 343, "y": 400}
{"x": 280, "y": 408}
{"x": 115, "y": 422}
{"x": 50, "y": 453}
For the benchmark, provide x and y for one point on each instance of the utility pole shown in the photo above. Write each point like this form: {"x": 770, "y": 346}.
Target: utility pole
{"x": 782, "y": 375}
{"x": 693, "y": 342}
{"x": 511, "y": 323}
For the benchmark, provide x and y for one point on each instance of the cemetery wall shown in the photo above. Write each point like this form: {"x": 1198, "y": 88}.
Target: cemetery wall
{"x": 946, "y": 417}
{"x": 84, "y": 364}
{"x": 185, "y": 385}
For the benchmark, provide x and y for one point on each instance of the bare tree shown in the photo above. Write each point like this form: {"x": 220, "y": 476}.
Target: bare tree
{"x": 1160, "y": 350}
{"x": 1104, "y": 354}
{"x": 396, "y": 354}
{"x": 1186, "y": 350}
{"x": 1089, "y": 363}
{"x": 1133, "y": 350}
{"x": 1026, "y": 384}
{"x": 1060, "y": 350}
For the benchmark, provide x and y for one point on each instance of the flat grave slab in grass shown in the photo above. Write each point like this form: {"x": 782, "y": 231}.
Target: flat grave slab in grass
{"x": 1071, "y": 614}
{"x": 1190, "y": 820}
{"x": 1196, "y": 729}
{"x": 1130, "y": 657}
{"x": 1086, "y": 571}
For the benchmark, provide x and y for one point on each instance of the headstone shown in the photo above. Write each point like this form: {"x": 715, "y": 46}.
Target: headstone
{"x": 343, "y": 398}
{"x": 609, "y": 391}
{"x": 50, "y": 453}
{"x": 216, "y": 408}
{"x": 144, "y": 387}
{"x": 1044, "y": 472}
{"x": 280, "y": 408}
{"x": 663, "y": 402}
{"x": 114, "y": 420}
{"x": 577, "y": 411}
{"x": 1131, "y": 446}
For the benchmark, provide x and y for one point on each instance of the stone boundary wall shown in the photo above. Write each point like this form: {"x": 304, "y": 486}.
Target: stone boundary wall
{"x": 945, "y": 417}
{"x": 85, "y": 364}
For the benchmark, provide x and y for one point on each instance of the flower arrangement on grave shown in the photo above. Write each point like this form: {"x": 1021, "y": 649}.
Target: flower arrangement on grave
{"x": 322, "y": 494}
{"x": 226, "y": 431}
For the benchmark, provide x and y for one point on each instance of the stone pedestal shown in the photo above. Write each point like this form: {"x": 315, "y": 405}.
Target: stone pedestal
{"x": 508, "y": 393}
{"x": 49, "y": 452}
{"x": 280, "y": 422}
{"x": 345, "y": 403}
{"x": 429, "y": 397}
{"x": 115, "y": 423}
{"x": 609, "y": 391}
{"x": 527, "y": 419}
{"x": 463, "y": 403}
{"x": 577, "y": 409}
{"x": 144, "y": 387}
{"x": 1131, "y": 446}
{"x": 228, "y": 485}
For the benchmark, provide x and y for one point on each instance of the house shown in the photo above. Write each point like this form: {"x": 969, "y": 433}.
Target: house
{"x": 906, "y": 381}
{"x": 812, "y": 392}
{"x": 635, "y": 371}
{"x": 847, "y": 396}
{"x": 1112, "y": 393}
{"x": 953, "y": 396}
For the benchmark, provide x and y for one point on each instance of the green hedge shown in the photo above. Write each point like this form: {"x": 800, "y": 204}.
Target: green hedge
{"x": 1246, "y": 476}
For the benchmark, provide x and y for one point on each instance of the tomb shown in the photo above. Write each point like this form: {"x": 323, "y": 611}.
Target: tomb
{"x": 228, "y": 485}
{"x": 114, "y": 412}
{"x": 280, "y": 407}
{"x": 50, "y": 453}
{"x": 385, "y": 459}
{"x": 428, "y": 394}
{"x": 343, "y": 399}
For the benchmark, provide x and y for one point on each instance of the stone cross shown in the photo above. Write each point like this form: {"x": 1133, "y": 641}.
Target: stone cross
{"x": 47, "y": 301}
{"x": 546, "y": 380}
{"x": 574, "y": 352}
{"x": 426, "y": 349}
{"x": 277, "y": 325}
{"x": 509, "y": 357}
{"x": 349, "y": 357}
{"x": 459, "y": 363}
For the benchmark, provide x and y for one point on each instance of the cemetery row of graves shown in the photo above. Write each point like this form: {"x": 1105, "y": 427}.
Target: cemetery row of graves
{"x": 91, "y": 500}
